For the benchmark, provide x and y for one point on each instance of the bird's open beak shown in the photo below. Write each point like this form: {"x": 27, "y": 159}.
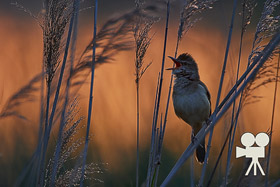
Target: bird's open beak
{"x": 177, "y": 63}
{"x": 170, "y": 69}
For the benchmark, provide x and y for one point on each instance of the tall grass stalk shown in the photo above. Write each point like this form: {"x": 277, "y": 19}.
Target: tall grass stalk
{"x": 42, "y": 145}
{"x": 159, "y": 139}
{"x": 41, "y": 105}
{"x": 219, "y": 91}
{"x": 247, "y": 9}
{"x": 112, "y": 38}
{"x": 231, "y": 135}
{"x": 163, "y": 61}
{"x": 265, "y": 28}
{"x": 150, "y": 166}
{"x": 73, "y": 20}
{"x": 137, "y": 127}
{"x": 272, "y": 123}
{"x": 142, "y": 41}
{"x": 226, "y": 103}
{"x": 56, "y": 19}
{"x": 46, "y": 138}
{"x": 153, "y": 152}
{"x": 170, "y": 87}
{"x": 36, "y": 155}
{"x": 219, "y": 157}
{"x": 90, "y": 94}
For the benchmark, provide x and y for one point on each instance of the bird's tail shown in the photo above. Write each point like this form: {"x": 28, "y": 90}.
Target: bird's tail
{"x": 200, "y": 150}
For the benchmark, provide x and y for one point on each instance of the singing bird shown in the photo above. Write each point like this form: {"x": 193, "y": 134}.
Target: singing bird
{"x": 191, "y": 98}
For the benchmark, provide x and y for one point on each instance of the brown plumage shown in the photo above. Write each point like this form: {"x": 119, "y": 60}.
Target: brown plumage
{"x": 191, "y": 98}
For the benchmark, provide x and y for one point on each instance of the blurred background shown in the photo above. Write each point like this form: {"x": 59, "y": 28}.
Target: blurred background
{"x": 113, "y": 130}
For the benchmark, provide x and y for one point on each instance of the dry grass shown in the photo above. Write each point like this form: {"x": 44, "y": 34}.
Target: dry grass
{"x": 120, "y": 34}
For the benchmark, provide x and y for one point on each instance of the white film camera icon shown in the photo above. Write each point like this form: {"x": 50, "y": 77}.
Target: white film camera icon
{"x": 248, "y": 139}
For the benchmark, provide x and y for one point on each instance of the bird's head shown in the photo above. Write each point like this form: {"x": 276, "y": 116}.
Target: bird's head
{"x": 185, "y": 66}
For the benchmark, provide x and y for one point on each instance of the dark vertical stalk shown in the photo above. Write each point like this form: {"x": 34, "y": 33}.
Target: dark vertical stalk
{"x": 91, "y": 94}
{"x": 150, "y": 165}
{"x": 169, "y": 90}
{"x": 219, "y": 91}
{"x": 40, "y": 177}
{"x": 138, "y": 124}
{"x": 226, "y": 54}
{"x": 158, "y": 148}
{"x": 163, "y": 61}
{"x": 41, "y": 105}
{"x": 40, "y": 137}
{"x": 219, "y": 158}
{"x": 232, "y": 135}
{"x": 158, "y": 97}
{"x": 271, "y": 125}
{"x": 167, "y": 107}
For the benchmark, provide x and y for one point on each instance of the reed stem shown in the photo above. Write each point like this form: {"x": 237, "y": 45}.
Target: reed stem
{"x": 90, "y": 95}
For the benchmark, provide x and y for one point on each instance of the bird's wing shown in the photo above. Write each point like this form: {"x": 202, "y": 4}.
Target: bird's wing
{"x": 207, "y": 93}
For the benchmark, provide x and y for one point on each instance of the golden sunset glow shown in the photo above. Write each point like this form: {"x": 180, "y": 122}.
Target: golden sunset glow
{"x": 113, "y": 130}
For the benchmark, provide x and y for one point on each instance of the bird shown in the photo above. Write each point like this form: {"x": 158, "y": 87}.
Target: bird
{"x": 191, "y": 97}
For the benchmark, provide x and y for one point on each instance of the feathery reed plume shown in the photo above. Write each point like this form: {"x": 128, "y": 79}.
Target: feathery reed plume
{"x": 70, "y": 144}
{"x": 267, "y": 26}
{"x": 25, "y": 94}
{"x": 142, "y": 42}
{"x": 90, "y": 170}
{"x": 27, "y": 11}
{"x": 190, "y": 9}
{"x": 248, "y": 7}
{"x": 55, "y": 22}
{"x": 54, "y": 26}
{"x": 74, "y": 20}
{"x": 114, "y": 36}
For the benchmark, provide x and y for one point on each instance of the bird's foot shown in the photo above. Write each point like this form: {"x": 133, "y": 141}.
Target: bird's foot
{"x": 193, "y": 138}
{"x": 208, "y": 121}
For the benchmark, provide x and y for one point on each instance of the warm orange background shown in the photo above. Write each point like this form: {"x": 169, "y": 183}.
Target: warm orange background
{"x": 114, "y": 107}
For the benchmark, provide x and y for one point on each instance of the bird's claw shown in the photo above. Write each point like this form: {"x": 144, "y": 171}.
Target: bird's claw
{"x": 194, "y": 139}
{"x": 208, "y": 121}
